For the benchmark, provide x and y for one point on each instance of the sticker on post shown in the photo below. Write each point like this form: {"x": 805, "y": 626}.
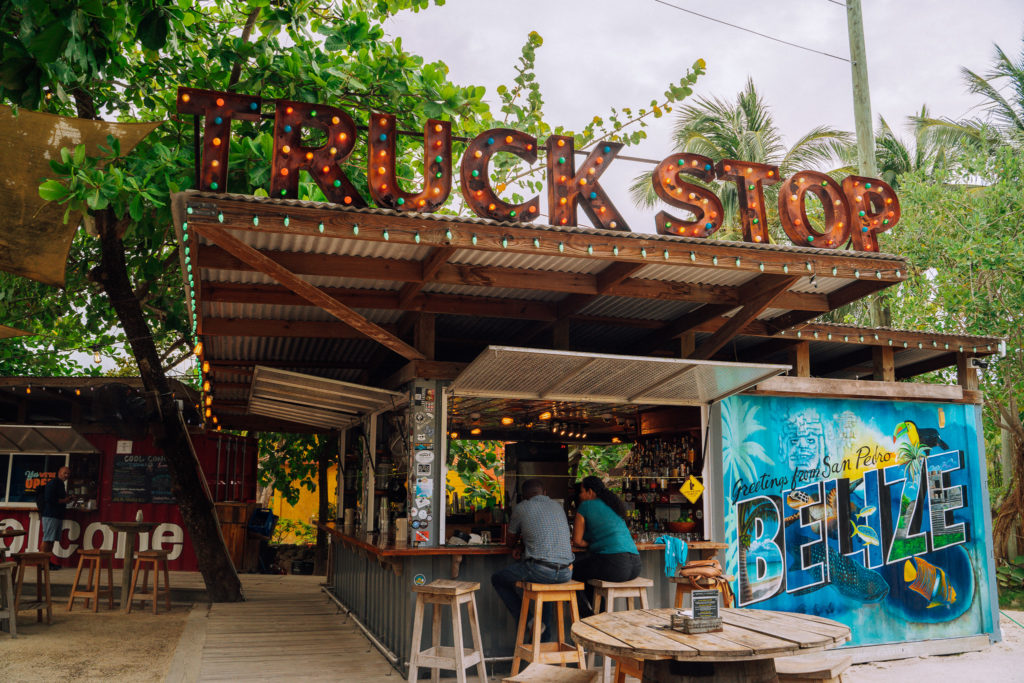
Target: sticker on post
{"x": 424, "y": 456}
{"x": 423, "y": 536}
{"x": 419, "y": 579}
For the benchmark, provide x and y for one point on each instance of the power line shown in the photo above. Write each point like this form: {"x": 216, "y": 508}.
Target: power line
{"x": 756, "y": 33}
{"x": 836, "y": 2}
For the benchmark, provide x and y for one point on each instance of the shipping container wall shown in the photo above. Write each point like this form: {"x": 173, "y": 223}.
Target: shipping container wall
{"x": 872, "y": 513}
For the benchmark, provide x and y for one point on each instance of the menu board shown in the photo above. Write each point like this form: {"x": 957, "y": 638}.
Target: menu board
{"x": 141, "y": 479}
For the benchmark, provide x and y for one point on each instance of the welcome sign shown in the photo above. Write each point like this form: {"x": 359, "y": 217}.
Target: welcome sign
{"x": 870, "y": 513}
{"x": 849, "y": 212}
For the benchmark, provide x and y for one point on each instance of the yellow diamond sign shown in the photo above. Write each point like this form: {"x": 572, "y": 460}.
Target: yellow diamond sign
{"x": 692, "y": 489}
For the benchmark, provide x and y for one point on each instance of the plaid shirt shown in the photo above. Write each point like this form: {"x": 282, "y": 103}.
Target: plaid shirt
{"x": 545, "y": 531}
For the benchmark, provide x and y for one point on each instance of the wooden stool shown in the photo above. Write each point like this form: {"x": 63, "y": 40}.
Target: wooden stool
{"x": 819, "y": 668}
{"x": 41, "y": 561}
{"x": 95, "y": 558}
{"x": 7, "y": 611}
{"x": 684, "y": 585}
{"x": 454, "y": 594}
{"x": 537, "y": 673}
{"x": 560, "y": 651}
{"x": 608, "y": 591}
{"x": 155, "y": 559}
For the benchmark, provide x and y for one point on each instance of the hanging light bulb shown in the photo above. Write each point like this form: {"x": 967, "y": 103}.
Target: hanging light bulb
{"x": 198, "y": 350}
{"x": 214, "y": 419}
{"x": 78, "y": 392}
{"x": 96, "y": 355}
{"x": 206, "y": 366}
{"x": 546, "y": 415}
{"x": 208, "y": 412}
{"x": 507, "y": 421}
{"x": 454, "y": 435}
{"x": 28, "y": 389}
{"x": 206, "y": 385}
{"x": 474, "y": 431}
{"x": 208, "y": 400}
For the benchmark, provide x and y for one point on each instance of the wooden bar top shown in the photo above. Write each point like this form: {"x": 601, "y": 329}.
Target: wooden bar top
{"x": 393, "y": 550}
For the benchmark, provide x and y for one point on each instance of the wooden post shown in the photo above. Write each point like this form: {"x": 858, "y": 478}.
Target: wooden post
{"x": 687, "y": 343}
{"x": 423, "y": 334}
{"x": 560, "y": 335}
{"x": 966, "y": 377}
{"x": 800, "y": 359}
{"x": 885, "y": 367}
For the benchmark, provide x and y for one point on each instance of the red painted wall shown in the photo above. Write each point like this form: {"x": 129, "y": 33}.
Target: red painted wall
{"x": 85, "y": 528}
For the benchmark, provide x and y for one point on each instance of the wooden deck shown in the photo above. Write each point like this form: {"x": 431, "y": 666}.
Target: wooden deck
{"x": 287, "y": 629}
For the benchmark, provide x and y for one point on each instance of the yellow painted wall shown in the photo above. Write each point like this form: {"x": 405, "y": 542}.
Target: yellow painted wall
{"x": 305, "y": 510}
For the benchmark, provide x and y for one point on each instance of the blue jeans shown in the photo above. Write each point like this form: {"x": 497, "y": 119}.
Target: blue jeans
{"x": 504, "y": 582}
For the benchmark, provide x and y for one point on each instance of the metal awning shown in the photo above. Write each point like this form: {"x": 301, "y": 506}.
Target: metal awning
{"x": 540, "y": 374}
{"x": 311, "y": 400}
{"x": 39, "y": 439}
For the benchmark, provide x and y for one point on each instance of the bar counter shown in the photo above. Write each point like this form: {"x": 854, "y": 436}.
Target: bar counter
{"x": 373, "y": 581}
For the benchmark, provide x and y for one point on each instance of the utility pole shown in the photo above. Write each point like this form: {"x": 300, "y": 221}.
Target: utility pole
{"x": 861, "y": 91}
{"x": 867, "y": 165}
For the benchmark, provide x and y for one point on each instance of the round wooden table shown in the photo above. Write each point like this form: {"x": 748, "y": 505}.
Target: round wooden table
{"x": 9, "y": 532}
{"x": 745, "y": 650}
{"x": 131, "y": 530}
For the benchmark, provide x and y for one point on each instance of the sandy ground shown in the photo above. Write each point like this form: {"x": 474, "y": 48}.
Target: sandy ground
{"x": 86, "y": 646}
{"x": 1003, "y": 662}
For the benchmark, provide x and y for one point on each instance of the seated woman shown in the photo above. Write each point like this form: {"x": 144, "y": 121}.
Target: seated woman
{"x": 599, "y": 527}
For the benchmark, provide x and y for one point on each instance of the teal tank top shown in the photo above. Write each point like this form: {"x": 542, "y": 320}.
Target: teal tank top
{"x": 604, "y": 531}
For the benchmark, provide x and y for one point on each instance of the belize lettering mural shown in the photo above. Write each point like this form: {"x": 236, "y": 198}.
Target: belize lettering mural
{"x": 867, "y": 512}
{"x": 853, "y": 211}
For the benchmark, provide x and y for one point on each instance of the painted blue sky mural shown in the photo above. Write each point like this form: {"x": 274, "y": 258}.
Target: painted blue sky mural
{"x": 867, "y": 512}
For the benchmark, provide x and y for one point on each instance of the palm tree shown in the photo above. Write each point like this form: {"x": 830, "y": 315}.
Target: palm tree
{"x": 1005, "y": 110}
{"x": 744, "y": 129}
{"x": 751, "y": 513}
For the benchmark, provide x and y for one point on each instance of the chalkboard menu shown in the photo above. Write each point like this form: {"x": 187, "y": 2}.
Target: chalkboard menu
{"x": 141, "y": 479}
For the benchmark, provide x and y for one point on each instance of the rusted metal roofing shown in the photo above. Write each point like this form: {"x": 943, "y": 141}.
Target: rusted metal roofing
{"x": 383, "y": 279}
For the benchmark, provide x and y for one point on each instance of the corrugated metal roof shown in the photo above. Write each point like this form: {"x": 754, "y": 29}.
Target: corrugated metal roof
{"x": 639, "y": 309}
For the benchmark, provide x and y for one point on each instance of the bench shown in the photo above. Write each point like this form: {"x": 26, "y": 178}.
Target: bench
{"x": 822, "y": 668}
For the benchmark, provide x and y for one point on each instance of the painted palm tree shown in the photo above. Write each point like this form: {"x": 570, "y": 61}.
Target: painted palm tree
{"x": 746, "y": 536}
{"x": 741, "y": 453}
{"x": 744, "y": 129}
{"x": 1002, "y": 89}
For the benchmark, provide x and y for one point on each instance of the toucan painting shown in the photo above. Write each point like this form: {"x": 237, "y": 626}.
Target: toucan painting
{"x": 926, "y": 436}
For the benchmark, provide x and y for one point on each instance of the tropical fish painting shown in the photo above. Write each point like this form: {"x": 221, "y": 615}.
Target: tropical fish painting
{"x": 864, "y": 513}
{"x": 930, "y": 581}
{"x": 866, "y": 533}
{"x": 849, "y": 578}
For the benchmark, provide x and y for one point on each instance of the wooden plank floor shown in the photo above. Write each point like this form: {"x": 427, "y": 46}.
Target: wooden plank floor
{"x": 287, "y": 629}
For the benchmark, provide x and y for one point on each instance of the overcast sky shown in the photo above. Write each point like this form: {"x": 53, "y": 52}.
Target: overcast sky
{"x": 602, "y": 53}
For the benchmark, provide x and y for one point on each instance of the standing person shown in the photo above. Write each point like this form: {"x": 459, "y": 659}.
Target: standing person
{"x": 546, "y": 555}
{"x": 55, "y": 503}
{"x": 600, "y": 527}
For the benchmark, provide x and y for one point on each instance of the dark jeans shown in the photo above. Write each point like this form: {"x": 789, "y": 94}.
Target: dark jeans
{"x": 504, "y": 582}
{"x": 613, "y": 567}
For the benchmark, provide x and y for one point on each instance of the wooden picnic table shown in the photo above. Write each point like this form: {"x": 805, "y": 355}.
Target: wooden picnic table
{"x": 744, "y": 650}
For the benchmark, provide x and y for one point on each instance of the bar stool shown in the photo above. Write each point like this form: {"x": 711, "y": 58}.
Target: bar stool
{"x": 608, "y": 592}
{"x": 560, "y": 651}
{"x": 95, "y": 558}
{"x": 7, "y": 611}
{"x": 156, "y": 559}
{"x": 684, "y": 585}
{"x": 43, "y": 601}
{"x": 454, "y": 594}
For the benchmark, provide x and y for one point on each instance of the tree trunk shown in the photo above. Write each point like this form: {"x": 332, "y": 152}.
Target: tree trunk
{"x": 1007, "y": 517}
{"x": 322, "y": 462}
{"x": 187, "y": 481}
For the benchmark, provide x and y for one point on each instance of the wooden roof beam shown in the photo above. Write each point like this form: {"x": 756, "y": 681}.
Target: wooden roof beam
{"x": 680, "y": 325}
{"x": 237, "y": 327}
{"x": 612, "y": 281}
{"x": 763, "y": 291}
{"x": 253, "y": 257}
{"x": 428, "y": 269}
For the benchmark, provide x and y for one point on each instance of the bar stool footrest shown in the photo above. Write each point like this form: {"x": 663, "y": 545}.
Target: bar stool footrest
{"x": 443, "y": 657}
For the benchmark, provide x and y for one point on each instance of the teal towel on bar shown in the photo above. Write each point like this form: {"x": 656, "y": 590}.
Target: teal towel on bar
{"x": 675, "y": 553}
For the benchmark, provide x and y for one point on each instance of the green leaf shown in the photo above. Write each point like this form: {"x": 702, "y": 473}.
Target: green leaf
{"x": 47, "y": 45}
{"x": 53, "y": 191}
{"x": 153, "y": 29}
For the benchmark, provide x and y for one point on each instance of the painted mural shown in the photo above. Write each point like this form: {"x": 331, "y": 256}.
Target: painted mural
{"x": 867, "y": 512}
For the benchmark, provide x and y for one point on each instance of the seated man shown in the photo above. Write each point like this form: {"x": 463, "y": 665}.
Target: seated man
{"x": 546, "y": 556}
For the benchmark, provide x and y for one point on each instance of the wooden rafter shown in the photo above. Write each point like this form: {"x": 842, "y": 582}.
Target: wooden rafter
{"x": 608, "y": 278}
{"x": 437, "y": 258}
{"x": 327, "y": 329}
{"x": 763, "y": 291}
{"x": 686, "y": 322}
{"x": 312, "y": 294}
